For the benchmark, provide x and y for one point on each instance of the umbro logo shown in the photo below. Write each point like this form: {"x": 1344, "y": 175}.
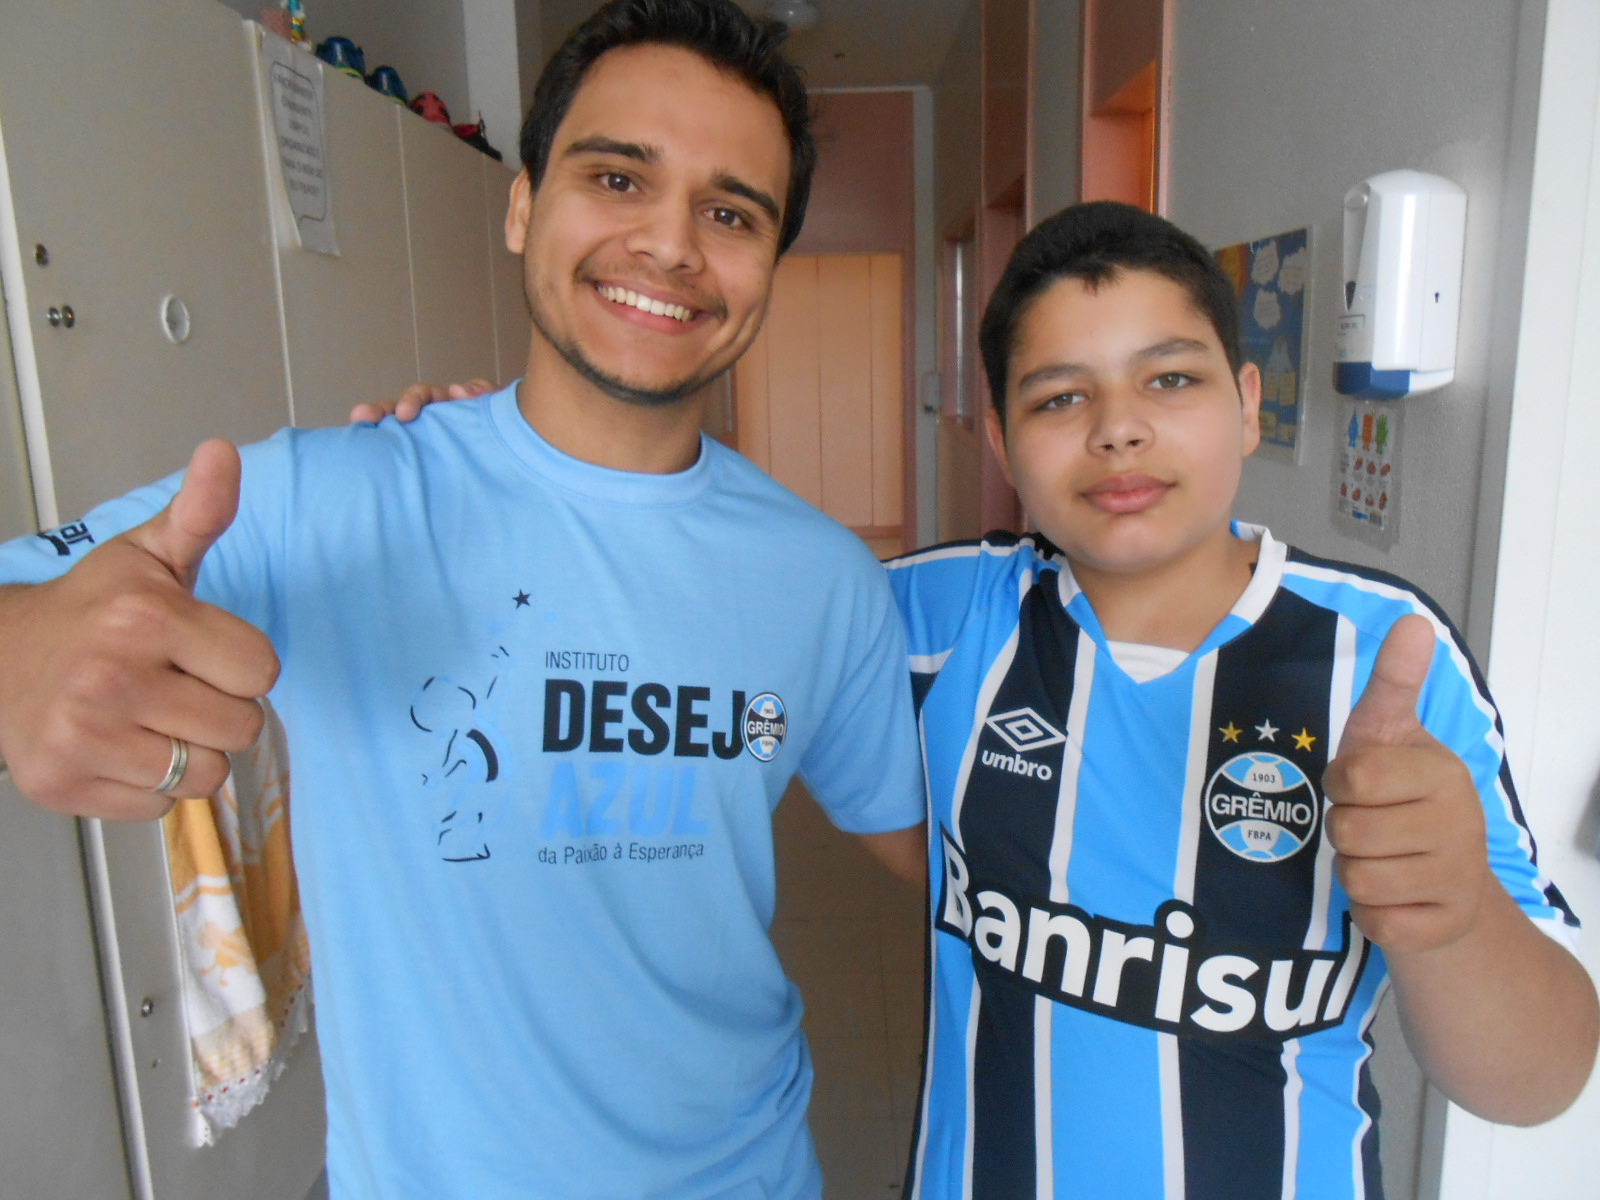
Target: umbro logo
{"x": 1023, "y": 730}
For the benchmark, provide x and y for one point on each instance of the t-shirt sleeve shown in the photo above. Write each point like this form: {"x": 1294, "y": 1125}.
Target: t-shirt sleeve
{"x": 1457, "y": 709}
{"x": 51, "y": 554}
{"x": 237, "y": 572}
{"x": 864, "y": 767}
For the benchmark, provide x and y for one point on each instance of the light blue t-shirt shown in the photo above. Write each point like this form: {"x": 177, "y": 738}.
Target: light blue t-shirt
{"x": 540, "y": 713}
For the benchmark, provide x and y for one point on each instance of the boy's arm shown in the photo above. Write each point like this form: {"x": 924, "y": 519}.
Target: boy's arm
{"x": 102, "y": 668}
{"x": 1502, "y": 1019}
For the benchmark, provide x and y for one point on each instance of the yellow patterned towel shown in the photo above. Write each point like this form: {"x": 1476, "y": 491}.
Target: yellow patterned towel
{"x": 246, "y": 968}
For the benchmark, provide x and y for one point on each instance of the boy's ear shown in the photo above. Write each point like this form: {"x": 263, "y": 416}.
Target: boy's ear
{"x": 1250, "y": 400}
{"x": 997, "y": 440}
{"x": 518, "y": 212}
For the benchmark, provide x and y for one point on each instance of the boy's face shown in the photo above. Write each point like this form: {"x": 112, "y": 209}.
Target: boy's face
{"x": 1125, "y": 430}
{"x": 664, "y": 184}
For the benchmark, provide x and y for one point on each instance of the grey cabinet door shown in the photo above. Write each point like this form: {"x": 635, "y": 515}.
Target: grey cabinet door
{"x": 132, "y": 154}
{"x": 132, "y": 147}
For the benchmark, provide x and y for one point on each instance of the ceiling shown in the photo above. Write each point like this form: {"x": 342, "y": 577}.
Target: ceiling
{"x": 858, "y": 43}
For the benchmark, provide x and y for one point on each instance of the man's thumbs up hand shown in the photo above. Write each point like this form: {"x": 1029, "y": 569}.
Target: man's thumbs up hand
{"x": 102, "y": 669}
{"x": 1406, "y": 821}
{"x": 206, "y": 503}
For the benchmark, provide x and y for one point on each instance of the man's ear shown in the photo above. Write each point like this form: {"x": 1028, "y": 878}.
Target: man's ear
{"x": 1250, "y": 400}
{"x": 997, "y": 441}
{"x": 518, "y": 213}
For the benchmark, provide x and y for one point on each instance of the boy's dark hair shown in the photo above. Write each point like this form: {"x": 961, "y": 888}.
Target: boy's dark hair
{"x": 1094, "y": 243}
{"x": 717, "y": 30}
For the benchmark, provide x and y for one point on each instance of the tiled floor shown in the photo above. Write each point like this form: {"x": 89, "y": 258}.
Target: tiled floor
{"x": 850, "y": 935}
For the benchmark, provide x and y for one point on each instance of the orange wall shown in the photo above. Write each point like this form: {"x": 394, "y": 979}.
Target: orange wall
{"x": 863, "y": 202}
{"x": 861, "y": 195}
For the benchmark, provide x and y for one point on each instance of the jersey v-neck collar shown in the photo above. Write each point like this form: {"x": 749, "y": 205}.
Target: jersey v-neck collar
{"x": 593, "y": 482}
{"x": 1246, "y": 610}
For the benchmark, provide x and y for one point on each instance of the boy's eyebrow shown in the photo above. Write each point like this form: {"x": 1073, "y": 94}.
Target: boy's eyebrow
{"x": 1177, "y": 345}
{"x": 1072, "y": 370}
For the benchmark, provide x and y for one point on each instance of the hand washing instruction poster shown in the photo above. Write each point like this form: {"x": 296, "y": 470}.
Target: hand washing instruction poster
{"x": 1366, "y": 487}
{"x": 1269, "y": 277}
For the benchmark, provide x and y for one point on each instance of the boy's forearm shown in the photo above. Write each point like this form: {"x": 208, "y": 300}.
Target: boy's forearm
{"x": 1503, "y": 1020}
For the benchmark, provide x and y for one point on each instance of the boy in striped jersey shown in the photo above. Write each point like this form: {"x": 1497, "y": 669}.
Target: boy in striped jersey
{"x": 1197, "y": 798}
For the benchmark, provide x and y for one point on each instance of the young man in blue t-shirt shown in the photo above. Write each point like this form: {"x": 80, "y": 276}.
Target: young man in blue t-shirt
{"x": 1197, "y": 798}
{"x": 548, "y": 661}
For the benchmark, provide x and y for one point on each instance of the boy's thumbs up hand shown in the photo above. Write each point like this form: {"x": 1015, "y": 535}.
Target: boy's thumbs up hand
{"x": 1405, "y": 818}
{"x": 101, "y": 669}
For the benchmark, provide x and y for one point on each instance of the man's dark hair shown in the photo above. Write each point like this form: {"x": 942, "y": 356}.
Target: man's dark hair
{"x": 717, "y": 30}
{"x": 1095, "y": 243}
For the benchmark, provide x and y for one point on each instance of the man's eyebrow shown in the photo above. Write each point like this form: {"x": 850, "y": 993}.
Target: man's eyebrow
{"x": 600, "y": 144}
{"x": 1051, "y": 372}
{"x": 735, "y": 186}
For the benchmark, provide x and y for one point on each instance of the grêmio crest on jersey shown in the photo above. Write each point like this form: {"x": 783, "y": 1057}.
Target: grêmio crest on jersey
{"x": 1259, "y": 804}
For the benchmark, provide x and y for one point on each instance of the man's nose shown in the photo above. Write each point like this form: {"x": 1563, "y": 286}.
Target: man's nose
{"x": 668, "y": 233}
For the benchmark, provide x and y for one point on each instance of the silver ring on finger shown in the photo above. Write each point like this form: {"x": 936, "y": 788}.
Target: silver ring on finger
{"x": 175, "y": 768}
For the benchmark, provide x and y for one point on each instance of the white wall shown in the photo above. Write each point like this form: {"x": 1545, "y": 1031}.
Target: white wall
{"x": 1277, "y": 109}
{"x": 1057, "y": 123}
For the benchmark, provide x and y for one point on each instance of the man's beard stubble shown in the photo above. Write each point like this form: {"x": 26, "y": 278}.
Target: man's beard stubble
{"x": 610, "y": 385}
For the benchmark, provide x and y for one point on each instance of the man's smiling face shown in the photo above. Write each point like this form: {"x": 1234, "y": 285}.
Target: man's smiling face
{"x": 650, "y": 243}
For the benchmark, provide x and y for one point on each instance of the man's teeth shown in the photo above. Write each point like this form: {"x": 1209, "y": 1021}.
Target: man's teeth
{"x": 644, "y": 304}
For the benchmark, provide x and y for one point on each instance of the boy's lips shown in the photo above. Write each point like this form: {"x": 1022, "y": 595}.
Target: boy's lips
{"x": 1120, "y": 494}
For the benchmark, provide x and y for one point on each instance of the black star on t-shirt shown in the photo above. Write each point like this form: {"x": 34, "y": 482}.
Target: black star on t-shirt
{"x": 522, "y": 599}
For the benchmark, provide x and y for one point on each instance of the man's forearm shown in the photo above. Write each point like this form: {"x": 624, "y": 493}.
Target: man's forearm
{"x": 1503, "y": 1020}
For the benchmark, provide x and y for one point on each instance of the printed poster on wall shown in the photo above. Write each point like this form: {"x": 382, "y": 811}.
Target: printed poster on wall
{"x": 298, "y": 141}
{"x": 1269, "y": 277}
{"x": 1366, "y": 487}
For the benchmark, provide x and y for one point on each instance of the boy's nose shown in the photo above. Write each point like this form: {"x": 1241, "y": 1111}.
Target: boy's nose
{"x": 1119, "y": 423}
{"x": 667, "y": 233}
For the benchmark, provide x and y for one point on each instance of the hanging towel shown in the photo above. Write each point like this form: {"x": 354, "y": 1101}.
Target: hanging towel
{"x": 241, "y": 941}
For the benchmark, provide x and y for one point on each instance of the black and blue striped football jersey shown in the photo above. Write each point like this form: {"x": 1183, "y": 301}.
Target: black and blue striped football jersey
{"x": 1145, "y": 980}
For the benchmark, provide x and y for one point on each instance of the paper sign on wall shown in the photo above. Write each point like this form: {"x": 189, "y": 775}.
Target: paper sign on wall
{"x": 1366, "y": 488}
{"x": 299, "y": 140}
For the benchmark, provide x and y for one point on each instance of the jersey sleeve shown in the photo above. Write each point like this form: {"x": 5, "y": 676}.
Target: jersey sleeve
{"x": 237, "y": 572}
{"x": 864, "y": 767}
{"x": 933, "y": 590}
{"x": 1457, "y": 709}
